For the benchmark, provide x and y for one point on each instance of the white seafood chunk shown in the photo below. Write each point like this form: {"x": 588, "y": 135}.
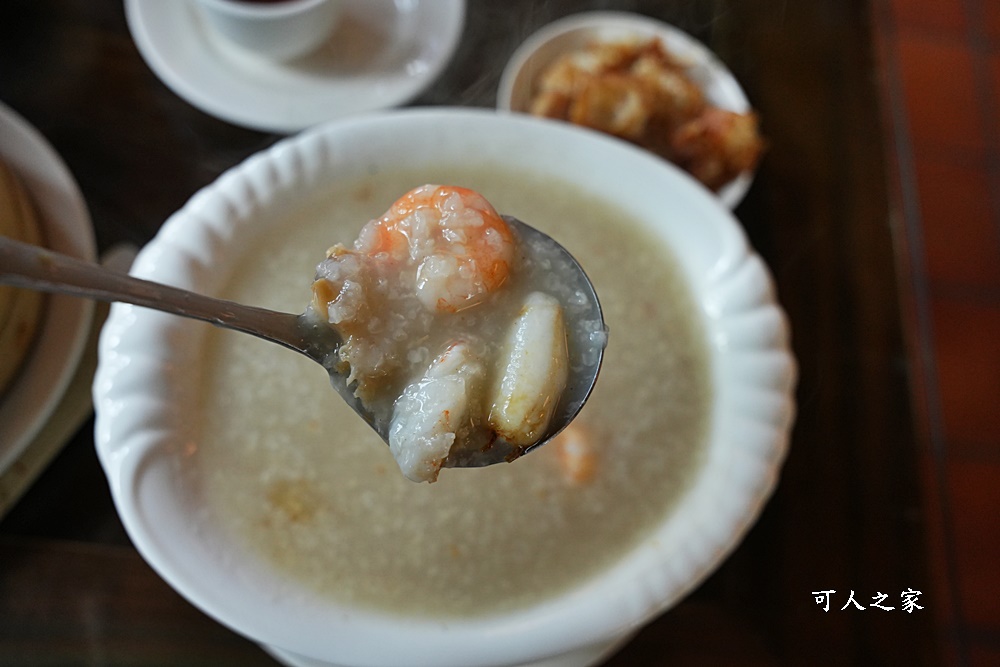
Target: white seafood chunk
{"x": 534, "y": 367}
{"x": 430, "y": 413}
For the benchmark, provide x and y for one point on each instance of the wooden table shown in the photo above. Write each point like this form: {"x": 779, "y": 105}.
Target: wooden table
{"x": 846, "y": 515}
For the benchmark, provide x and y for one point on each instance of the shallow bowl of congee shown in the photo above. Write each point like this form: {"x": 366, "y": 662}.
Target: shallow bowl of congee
{"x": 248, "y": 484}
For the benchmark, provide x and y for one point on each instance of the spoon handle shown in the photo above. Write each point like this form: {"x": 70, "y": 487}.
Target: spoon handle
{"x": 32, "y": 267}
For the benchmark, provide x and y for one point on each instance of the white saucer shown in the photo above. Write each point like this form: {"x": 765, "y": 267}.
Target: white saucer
{"x": 383, "y": 53}
{"x": 42, "y": 380}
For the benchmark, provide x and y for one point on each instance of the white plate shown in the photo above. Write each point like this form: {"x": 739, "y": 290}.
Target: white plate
{"x": 576, "y": 31}
{"x": 143, "y": 403}
{"x": 42, "y": 380}
{"x": 382, "y": 53}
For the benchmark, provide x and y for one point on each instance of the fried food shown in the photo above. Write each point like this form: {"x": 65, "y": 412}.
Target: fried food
{"x": 717, "y": 145}
{"x": 636, "y": 90}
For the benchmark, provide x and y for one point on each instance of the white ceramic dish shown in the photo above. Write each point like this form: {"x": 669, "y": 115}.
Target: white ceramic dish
{"x": 141, "y": 398}
{"x": 517, "y": 83}
{"x": 381, "y": 54}
{"x": 43, "y": 378}
{"x": 280, "y": 31}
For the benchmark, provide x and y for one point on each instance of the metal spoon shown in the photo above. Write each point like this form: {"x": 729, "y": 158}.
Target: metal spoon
{"x": 31, "y": 267}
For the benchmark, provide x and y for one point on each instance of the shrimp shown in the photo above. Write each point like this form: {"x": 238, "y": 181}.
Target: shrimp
{"x": 461, "y": 247}
{"x": 575, "y": 454}
{"x": 438, "y": 249}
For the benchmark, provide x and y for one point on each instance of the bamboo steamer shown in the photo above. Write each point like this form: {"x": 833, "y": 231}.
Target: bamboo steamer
{"x": 20, "y": 309}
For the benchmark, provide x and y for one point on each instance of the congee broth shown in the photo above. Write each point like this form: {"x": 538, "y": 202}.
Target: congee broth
{"x": 286, "y": 467}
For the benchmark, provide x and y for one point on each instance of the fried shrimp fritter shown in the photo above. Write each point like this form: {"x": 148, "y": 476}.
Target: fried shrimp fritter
{"x": 638, "y": 91}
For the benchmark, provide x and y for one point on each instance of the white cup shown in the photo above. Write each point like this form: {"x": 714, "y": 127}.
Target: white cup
{"x": 280, "y": 30}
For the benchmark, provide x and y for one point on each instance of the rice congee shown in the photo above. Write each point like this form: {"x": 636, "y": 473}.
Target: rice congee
{"x": 290, "y": 471}
{"x": 458, "y": 332}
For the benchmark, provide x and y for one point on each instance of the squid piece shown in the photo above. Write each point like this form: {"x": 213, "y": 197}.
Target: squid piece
{"x": 534, "y": 368}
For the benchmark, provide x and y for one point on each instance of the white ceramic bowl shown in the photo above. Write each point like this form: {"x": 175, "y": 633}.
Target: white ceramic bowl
{"x": 574, "y": 32}
{"x": 142, "y": 395}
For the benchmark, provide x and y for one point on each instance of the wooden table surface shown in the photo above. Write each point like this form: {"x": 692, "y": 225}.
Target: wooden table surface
{"x": 846, "y": 515}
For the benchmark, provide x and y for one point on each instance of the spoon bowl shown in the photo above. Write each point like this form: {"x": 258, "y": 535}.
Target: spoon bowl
{"x": 32, "y": 267}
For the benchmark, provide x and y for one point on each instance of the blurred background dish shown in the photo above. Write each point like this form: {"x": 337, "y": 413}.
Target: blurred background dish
{"x": 65, "y": 226}
{"x": 531, "y": 62}
{"x": 381, "y": 54}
